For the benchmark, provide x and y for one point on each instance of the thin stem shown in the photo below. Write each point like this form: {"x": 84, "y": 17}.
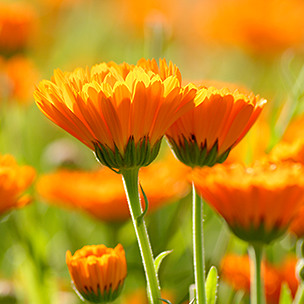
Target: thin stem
{"x": 299, "y": 298}
{"x": 257, "y": 294}
{"x": 198, "y": 248}
{"x": 130, "y": 178}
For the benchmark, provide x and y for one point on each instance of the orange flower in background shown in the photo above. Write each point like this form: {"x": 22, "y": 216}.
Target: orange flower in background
{"x": 254, "y": 25}
{"x": 296, "y": 226}
{"x": 17, "y": 25}
{"x": 288, "y": 151}
{"x": 119, "y": 111}
{"x": 13, "y": 83}
{"x": 140, "y": 297}
{"x": 14, "y": 180}
{"x": 258, "y": 203}
{"x": 221, "y": 118}
{"x": 102, "y": 195}
{"x": 235, "y": 270}
{"x": 98, "y": 272}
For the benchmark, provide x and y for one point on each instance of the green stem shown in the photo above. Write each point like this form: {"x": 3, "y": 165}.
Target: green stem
{"x": 130, "y": 178}
{"x": 198, "y": 248}
{"x": 299, "y": 298}
{"x": 257, "y": 294}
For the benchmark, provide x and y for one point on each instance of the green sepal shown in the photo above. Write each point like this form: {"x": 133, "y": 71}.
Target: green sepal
{"x": 160, "y": 258}
{"x": 189, "y": 152}
{"x": 285, "y": 295}
{"x": 259, "y": 234}
{"x": 137, "y": 155}
{"x": 105, "y": 297}
{"x": 211, "y": 285}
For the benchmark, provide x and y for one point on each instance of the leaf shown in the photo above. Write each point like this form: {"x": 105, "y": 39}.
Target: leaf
{"x": 285, "y": 297}
{"x": 160, "y": 258}
{"x": 211, "y": 285}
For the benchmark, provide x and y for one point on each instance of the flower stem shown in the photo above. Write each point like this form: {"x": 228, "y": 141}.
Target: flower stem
{"x": 257, "y": 295}
{"x": 130, "y": 178}
{"x": 198, "y": 248}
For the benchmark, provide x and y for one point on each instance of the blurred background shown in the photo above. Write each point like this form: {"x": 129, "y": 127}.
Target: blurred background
{"x": 252, "y": 45}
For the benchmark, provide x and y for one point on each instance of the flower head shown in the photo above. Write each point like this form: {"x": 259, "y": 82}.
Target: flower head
{"x": 13, "y": 84}
{"x": 254, "y": 25}
{"x": 206, "y": 134}
{"x": 17, "y": 24}
{"x": 98, "y": 272}
{"x": 119, "y": 111}
{"x": 258, "y": 203}
{"x": 14, "y": 180}
{"x": 288, "y": 151}
{"x": 235, "y": 270}
{"x": 101, "y": 193}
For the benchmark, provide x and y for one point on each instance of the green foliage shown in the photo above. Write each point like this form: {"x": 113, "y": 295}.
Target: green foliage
{"x": 211, "y": 285}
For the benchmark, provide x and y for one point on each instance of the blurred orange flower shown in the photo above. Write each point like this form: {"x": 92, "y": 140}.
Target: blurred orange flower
{"x": 102, "y": 195}
{"x": 235, "y": 270}
{"x": 13, "y": 84}
{"x": 14, "y": 180}
{"x": 259, "y": 202}
{"x": 119, "y": 111}
{"x": 140, "y": 297}
{"x": 17, "y": 25}
{"x": 221, "y": 118}
{"x": 288, "y": 151}
{"x": 254, "y": 25}
{"x": 98, "y": 272}
{"x": 296, "y": 226}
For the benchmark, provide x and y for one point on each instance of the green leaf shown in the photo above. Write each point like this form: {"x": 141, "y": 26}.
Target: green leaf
{"x": 285, "y": 297}
{"x": 211, "y": 285}
{"x": 160, "y": 258}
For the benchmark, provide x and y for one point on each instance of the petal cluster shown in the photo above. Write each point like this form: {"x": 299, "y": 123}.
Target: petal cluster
{"x": 17, "y": 25}
{"x": 98, "y": 272}
{"x": 259, "y": 202}
{"x": 220, "y": 119}
{"x": 14, "y": 180}
{"x": 235, "y": 270}
{"x": 101, "y": 193}
{"x": 110, "y": 106}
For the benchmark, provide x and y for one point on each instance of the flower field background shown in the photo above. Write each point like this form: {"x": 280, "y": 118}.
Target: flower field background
{"x": 56, "y": 197}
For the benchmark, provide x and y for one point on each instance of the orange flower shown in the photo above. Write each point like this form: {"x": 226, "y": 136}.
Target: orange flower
{"x": 14, "y": 180}
{"x": 235, "y": 270}
{"x": 119, "y": 111}
{"x": 296, "y": 226}
{"x": 13, "y": 84}
{"x": 140, "y": 297}
{"x": 17, "y": 24}
{"x": 206, "y": 134}
{"x": 288, "y": 151}
{"x": 258, "y": 203}
{"x": 254, "y": 25}
{"x": 98, "y": 272}
{"x": 102, "y": 195}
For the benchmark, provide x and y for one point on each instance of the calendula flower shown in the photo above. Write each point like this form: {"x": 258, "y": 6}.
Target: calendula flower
{"x": 119, "y": 111}
{"x": 14, "y": 180}
{"x": 206, "y": 134}
{"x": 235, "y": 270}
{"x": 139, "y": 297}
{"x": 253, "y": 25}
{"x": 258, "y": 203}
{"x": 13, "y": 84}
{"x": 288, "y": 151}
{"x": 101, "y": 193}
{"x": 98, "y": 272}
{"x": 17, "y": 25}
{"x": 296, "y": 226}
